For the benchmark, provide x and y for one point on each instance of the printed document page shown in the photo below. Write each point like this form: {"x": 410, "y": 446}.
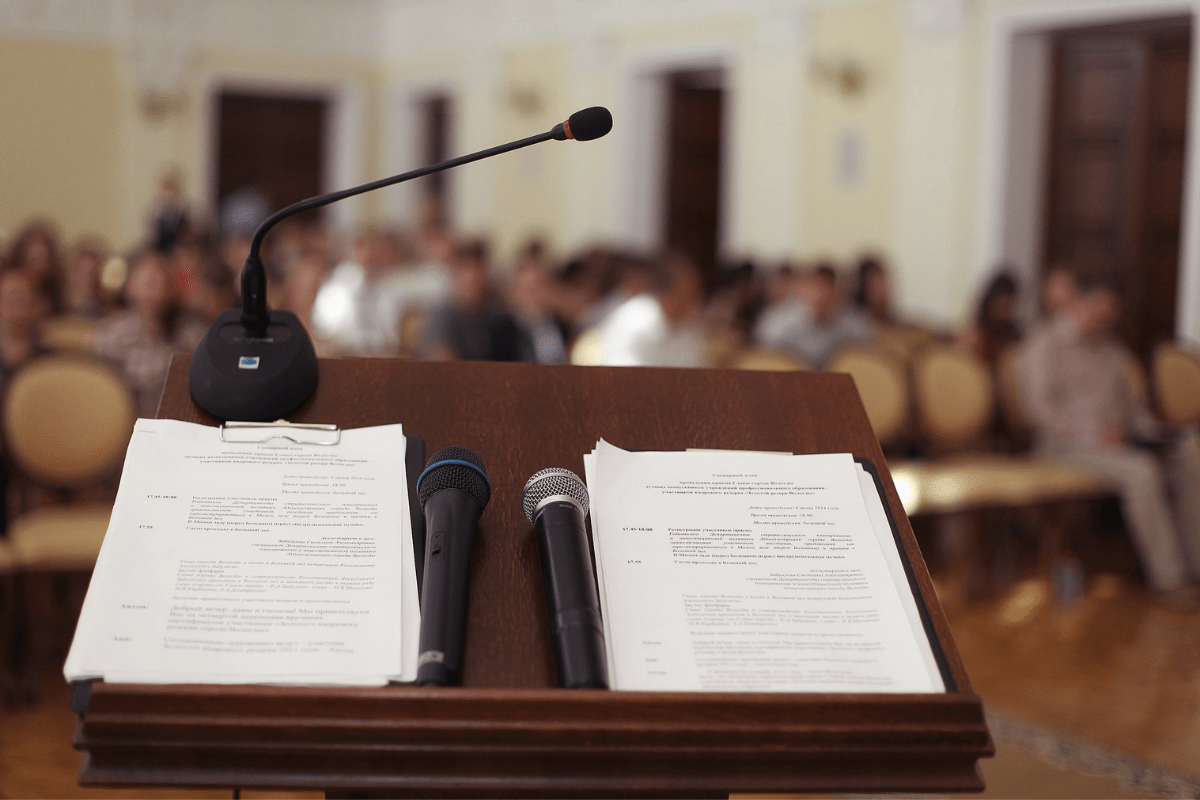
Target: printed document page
{"x": 254, "y": 562}
{"x": 737, "y": 571}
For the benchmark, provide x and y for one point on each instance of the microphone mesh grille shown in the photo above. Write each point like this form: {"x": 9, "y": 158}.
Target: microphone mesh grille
{"x": 550, "y": 482}
{"x": 438, "y": 476}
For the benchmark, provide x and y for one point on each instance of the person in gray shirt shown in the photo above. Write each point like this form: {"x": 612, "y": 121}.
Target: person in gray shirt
{"x": 1077, "y": 388}
{"x": 813, "y": 323}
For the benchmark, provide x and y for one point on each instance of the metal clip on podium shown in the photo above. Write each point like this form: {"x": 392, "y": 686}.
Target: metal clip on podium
{"x": 298, "y": 432}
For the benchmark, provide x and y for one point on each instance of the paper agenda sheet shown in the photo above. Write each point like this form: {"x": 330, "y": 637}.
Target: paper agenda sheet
{"x": 731, "y": 571}
{"x": 254, "y": 562}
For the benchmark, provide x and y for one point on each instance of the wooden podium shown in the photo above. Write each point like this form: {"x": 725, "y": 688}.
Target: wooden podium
{"x": 508, "y": 731}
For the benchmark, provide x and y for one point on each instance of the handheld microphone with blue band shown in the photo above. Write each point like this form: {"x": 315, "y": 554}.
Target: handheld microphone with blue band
{"x": 555, "y": 501}
{"x": 453, "y": 491}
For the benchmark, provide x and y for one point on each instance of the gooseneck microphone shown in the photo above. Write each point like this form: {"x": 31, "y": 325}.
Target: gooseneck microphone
{"x": 258, "y": 365}
{"x": 555, "y": 501}
{"x": 453, "y": 490}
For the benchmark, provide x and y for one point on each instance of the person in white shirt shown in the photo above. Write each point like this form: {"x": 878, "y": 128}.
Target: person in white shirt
{"x": 362, "y": 302}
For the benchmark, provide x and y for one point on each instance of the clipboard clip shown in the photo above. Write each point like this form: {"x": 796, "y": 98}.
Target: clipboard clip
{"x": 299, "y": 432}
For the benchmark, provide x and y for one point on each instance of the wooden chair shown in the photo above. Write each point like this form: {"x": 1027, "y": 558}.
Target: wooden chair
{"x": 905, "y": 341}
{"x": 883, "y": 386}
{"x": 1176, "y": 375}
{"x": 766, "y": 361}
{"x": 66, "y": 422}
{"x": 586, "y": 351}
{"x": 955, "y": 400}
{"x": 412, "y": 332}
{"x": 67, "y": 334}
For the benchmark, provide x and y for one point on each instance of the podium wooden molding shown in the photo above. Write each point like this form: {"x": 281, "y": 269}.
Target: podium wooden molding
{"x": 507, "y": 731}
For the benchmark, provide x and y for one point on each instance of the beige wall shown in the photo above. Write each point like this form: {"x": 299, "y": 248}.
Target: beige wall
{"x": 60, "y": 137}
{"x": 847, "y": 213}
{"x": 75, "y": 143}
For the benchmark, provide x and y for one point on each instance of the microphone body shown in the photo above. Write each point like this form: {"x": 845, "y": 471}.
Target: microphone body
{"x": 572, "y": 606}
{"x": 453, "y": 491}
{"x": 450, "y": 519}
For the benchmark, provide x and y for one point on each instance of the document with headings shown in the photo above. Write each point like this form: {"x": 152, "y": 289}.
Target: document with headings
{"x": 254, "y": 562}
{"x": 736, "y": 571}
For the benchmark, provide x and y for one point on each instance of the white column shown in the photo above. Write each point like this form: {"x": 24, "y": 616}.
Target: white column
{"x": 764, "y": 138}
{"x": 934, "y": 278}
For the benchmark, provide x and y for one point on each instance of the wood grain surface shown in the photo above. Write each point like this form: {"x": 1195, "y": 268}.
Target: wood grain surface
{"x": 507, "y": 731}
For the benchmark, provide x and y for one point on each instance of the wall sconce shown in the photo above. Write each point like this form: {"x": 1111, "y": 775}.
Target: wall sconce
{"x": 845, "y": 75}
{"x": 526, "y": 100}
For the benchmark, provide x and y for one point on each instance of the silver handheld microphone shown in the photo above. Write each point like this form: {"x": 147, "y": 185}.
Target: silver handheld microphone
{"x": 556, "y": 502}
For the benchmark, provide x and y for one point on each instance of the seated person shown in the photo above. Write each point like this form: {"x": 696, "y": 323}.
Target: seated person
{"x": 812, "y": 323}
{"x": 1078, "y": 396}
{"x": 474, "y": 325}
{"x": 23, "y": 306}
{"x": 141, "y": 339}
{"x": 995, "y": 326}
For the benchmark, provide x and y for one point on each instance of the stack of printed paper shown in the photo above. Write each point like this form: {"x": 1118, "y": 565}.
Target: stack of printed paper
{"x": 254, "y": 562}
{"x": 736, "y": 571}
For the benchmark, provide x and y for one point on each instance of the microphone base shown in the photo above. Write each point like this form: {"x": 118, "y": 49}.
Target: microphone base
{"x": 236, "y": 375}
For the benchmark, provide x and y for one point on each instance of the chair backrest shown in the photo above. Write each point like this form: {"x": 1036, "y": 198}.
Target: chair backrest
{"x": 721, "y": 346}
{"x": 67, "y": 333}
{"x": 904, "y": 341}
{"x": 412, "y": 332}
{"x": 954, "y": 396}
{"x": 588, "y": 349}
{"x": 766, "y": 361}
{"x": 67, "y": 419}
{"x": 1176, "y": 373}
{"x": 883, "y": 386}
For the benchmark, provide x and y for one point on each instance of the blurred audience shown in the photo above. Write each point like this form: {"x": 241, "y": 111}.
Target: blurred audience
{"x": 679, "y": 291}
{"x": 630, "y": 325}
{"x": 474, "y": 325}
{"x": 83, "y": 295}
{"x": 169, "y": 213}
{"x": 1077, "y": 389}
{"x": 1059, "y": 289}
{"x": 361, "y": 306}
{"x": 36, "y": 250}
{"x": 811, "y": 322}
{"x": 23, "y": 306}
{"x": 995, "y": 326}
{"x": 873, "y": 292}
{"x": 532, "y": 295}
{"x": 141, "y": 339}
{"x": 737, "y": 299}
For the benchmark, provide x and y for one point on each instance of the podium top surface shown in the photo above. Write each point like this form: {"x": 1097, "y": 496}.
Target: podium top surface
{"x": 508, "y": 731}
{"x": 521, "y": 418}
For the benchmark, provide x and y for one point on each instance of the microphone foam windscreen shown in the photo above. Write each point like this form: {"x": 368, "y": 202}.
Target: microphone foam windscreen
{"x": 552, "y": 482}
{"x": 590, "y": 123}
{"x": 454, "y": 468}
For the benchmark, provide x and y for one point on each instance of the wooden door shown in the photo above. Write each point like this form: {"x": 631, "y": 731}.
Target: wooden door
{"x": 1116, "y": 166}
{"x": 436, "y": 119}
{"x": 275, "y": 145}
{"x": 695, "y": 108}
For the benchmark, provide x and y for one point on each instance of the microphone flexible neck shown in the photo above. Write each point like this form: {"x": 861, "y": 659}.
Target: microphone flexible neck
{"x": 333, "y": 197}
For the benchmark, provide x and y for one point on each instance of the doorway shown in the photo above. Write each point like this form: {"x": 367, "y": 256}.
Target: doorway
{"x": 436, "y": 114}
{"x": 1116, "y": 164}
{"x": 272, "y": 144}
{"x": 695, "y": 108}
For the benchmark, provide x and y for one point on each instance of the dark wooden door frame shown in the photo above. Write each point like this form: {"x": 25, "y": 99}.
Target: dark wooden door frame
{"x": 340, "y": 156}
{"x": 1130, "y": 222}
